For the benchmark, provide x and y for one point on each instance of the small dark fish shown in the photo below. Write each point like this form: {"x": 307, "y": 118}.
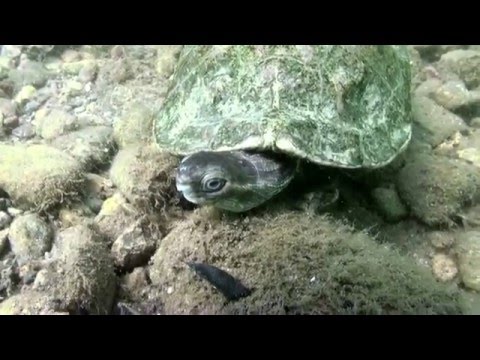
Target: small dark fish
{"x": 230, "y": 287}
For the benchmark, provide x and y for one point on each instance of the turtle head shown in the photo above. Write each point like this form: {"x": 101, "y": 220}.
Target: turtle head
{"x": 233, "y": 180}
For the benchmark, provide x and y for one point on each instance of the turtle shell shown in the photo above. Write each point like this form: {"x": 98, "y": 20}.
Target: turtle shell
{"x": 339, "y": 105}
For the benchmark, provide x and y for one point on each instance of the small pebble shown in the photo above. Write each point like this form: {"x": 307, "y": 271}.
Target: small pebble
{"x": 73, "y": 87}
{"x": 30, "y": 236}
{"x": 10, "y": 122}
{"x": 25, "y": 131}
{"x": 444, "y": 267}
{"x": 32, "y": 106}
{"x": 76, "y": 102}
{"x": 14, "y": 212}
{"x": 133, "y": 283}
{"x": 117, "y": 52}
{"x": 88, "y": 72}
{"x": 8, "y": 107}
{"x": 79, "y": 109}
{"x": 70, "y": 55}
{"x": 452, "y": 95}
{"x": 26, "y": 93}
{"x": 41, "y": 279}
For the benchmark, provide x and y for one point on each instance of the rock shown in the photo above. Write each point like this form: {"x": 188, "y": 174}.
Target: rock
{"x": 433, "y": 52}
{"x": 31, "y": 73}
{"x": 37, "y": 52}
{"x": 88, "y": 72}
{"x": 98, "y": 189}
{"x": 38, "y": 176}
{"x": 471, "y": 217}
{"x": 9, "y": 123}
{"x": 28, "y": 271}
{"x": 115, "y": 72}
{"x": 166, "y": 59}
{"x": 4, "y": 220}
{"x": 438, "y": 122}
{"x": 134, "y": 127}
{"x": 13, "y": 212}
{"x": 463, "y": 146}
{"x": 452, "y": 95}
{"x": 71, "y": 55}
{"x": 436, "y": 188}
{"x": 475, "y": 122}
{"x": 74, "y": 68}
{"x": 53, "y": 123}
{"x": 389, "y": 204}
{"x": 29, "y": 303}
{"x": 92, "y": 146}
{"x": 5, "y": 204}
{"x": 117, "y": 52}
{"x": 6, "y": 88}
{"x": 26, "y": 93}
{"x": 30, "y": 237}
{"x": 88, "y": 280}
{"x": 428, "y": 87}
{"x": 468, "y": 254}
{"x": 53, "y": 64}
{"x": 471, "y": 302}
{"x": 3, "y": 241}
{"x": 295, "y": 264}
{"x": 75, "y": 215}
{"x": 9, "y": 279}
{"x": 133, "y": 284}
{"x": 11, "y": 51}
{"x": 444, "y": 267}
{"x": 465, "y": 64}
{"x": 8, "y": 108}
{"x": 135, "y": 246}
{"x": 441, "y": 239}
{"x": 114, "y": 217}
{"x": 6, "y": 63}
{"x": 145, "y": 176}
{"x": 24, "y": 131}
{"x": 73, "y": 88}
{"x": 41, "y": 280}
{"x": 472, "y": 155}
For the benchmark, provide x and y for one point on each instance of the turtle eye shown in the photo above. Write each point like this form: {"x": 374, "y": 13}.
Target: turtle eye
{"x": 213, "y": 184}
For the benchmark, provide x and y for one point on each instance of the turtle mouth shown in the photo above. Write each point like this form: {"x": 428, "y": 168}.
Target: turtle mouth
{"x": 193, "y": 199}
{"x": 189, "y": 195}
{"x": 185, "y": 188}
{"x": 182, "y": 187}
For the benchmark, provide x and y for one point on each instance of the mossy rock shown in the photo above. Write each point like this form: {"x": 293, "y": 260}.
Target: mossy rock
{"x": 92, "y": 146}
{"x": 134, "y": 127}
{"x": 145, "y": 176}
{"x": 437, "y": 188}
{"x": 28, "y": 303}
{"x": 88, "y": 281}
{"x": 38, "y": 176}
{"x": 296, "y": 264}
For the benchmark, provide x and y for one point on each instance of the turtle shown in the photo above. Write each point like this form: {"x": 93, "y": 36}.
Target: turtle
{"x": 243, "y": 117}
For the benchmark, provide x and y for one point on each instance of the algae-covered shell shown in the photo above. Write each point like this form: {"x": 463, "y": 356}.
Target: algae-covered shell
{"x": 339, "y": 105}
